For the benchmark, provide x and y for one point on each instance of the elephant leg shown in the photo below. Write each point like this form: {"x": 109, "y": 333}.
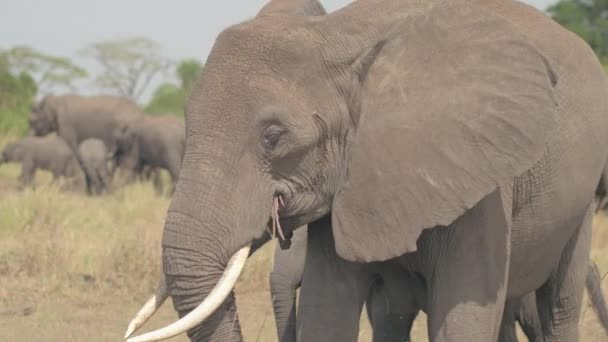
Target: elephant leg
{"x": 522, "y": 310}
{"x": 28, "y": 170}
{"x": 174, "y": 169}
{"x": 157, "y": 181}
{"x": 593, "y": 283}
{"x": 469, "y": 281}
{"x": 333, "y": 290}
{"x": 559, "y": 300}
{"x": 98, "y": 183}
{"x": 527, "y": 316}
{"x": 105, "y": 180}
{"x": 388, "y": 325}
{"x": 507, "y": 327}
{"x": 285, "y": 278}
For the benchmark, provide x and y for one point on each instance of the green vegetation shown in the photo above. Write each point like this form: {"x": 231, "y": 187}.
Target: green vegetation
{"x": 16, "y": 93}
{"x": 24, "y": 73}
{"x": 586, "y": 18}
{"x": 171, "y": 98}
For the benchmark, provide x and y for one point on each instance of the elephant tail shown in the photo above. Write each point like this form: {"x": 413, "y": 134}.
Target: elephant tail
{"x": 598, "y": 301}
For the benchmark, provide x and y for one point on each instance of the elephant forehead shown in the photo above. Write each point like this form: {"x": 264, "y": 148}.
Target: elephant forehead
{"x": 263, "y": 43}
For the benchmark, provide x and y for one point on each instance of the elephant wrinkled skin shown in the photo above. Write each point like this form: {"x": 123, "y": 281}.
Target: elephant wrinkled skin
{"x": 460, "y": 140}
{"x": 394, "y": 299}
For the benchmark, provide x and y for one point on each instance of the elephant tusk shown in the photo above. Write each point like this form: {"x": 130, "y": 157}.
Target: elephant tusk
{"x": 149, "y": 308}
{"x": 215, "y": 298}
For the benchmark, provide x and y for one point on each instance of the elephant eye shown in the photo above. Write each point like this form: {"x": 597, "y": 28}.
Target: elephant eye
{"x": 271, "y": 136}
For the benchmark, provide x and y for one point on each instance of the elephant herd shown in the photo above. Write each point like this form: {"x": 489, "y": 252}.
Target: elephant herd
{"x": 84, "y": 140}
{"x": 420, "y": 155}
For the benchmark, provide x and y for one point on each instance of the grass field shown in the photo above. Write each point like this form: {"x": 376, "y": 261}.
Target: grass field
{"x": 74, "y": 268}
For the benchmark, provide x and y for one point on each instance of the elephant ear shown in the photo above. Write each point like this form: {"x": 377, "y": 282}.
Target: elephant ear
{"x": 447, "y": 110}
{"x": 292, "y": 7}
{"x": 48, "y": 108}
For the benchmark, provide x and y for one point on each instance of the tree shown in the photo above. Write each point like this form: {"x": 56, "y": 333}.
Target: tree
{"x": 188, "y": 71}
{"x": 586, "y": 18}
{"x": 48, "y": 72}
{"x": 171, "y": 98}
{"x": 129, "y": 65}
{"x": 17, "y": 91}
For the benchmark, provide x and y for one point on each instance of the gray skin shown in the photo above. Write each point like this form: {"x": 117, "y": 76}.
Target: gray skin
{"x": 524, "y": 310}
{"x": 393, "y": 303}
{"x": 76, "y": 118}
{"x": 94, "y": 156}
{"x": 155, "y": 142}
{"x": 476, "y": 168}
{"x": 391, "y": 317}
{"x": 49, "y": 153}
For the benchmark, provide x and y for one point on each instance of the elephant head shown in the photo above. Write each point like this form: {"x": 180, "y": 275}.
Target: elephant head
{"x": 125, "y": 150}
{"x": 12, "y": 152}
{"x": 356, "y": 115}
{"x": 43, "y": 116}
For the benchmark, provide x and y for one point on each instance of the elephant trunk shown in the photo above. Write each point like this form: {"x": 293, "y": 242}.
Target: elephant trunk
{"x": 207, "y": 238}
{"x": 283, "y": 292}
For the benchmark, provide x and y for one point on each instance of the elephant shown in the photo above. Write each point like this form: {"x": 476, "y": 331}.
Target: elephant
{"x": 95, "y": 158}
{"x": 601, "y": 193}
{"x": 76, "y": 118}
{"x": 154, "y": 142}
{"x": 49, "y": 153}
{"x": 153, "y": 174}
{"x": 391, "y": 317}
{"x": 394, "y": 302}
{"x": 459, "y": 141}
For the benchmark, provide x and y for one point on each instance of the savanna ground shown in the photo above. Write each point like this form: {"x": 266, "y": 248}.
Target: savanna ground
{"x": 75, "y": 268}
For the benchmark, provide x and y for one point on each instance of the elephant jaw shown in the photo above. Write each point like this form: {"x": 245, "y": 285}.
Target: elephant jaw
{"x": 205, "y": 309}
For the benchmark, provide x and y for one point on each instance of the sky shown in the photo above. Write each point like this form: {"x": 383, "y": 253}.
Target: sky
{"x": 184, "y": 28}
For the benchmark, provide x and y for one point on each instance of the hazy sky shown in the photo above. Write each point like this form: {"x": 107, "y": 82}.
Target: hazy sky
{"x": 184, "y": 28}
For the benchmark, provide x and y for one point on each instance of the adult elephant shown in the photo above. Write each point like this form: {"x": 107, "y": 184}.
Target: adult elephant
{"x": 155, "y": 142}
{"x": 76, "y": 118}
{"x": 459, "y": 140}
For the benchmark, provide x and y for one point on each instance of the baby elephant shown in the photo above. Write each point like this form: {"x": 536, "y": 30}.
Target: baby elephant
{"x": 49, "y": 153}
{"x": 94, "y": 158}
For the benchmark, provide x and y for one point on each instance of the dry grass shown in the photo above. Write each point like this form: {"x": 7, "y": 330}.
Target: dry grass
{"x": 76, "y": 268}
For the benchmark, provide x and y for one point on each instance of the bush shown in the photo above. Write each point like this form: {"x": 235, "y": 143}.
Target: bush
{"x": 13, "y": 121}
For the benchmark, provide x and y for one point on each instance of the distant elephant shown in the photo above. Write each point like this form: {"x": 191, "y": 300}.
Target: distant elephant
{"x": 154, "y": 142}
{"x": 459, "y": 140}
{"x": 76, "y": 118}
{"x": 153, "y": 174}
{"x": 95, "y": 158}
{"x": 49, "y": 153}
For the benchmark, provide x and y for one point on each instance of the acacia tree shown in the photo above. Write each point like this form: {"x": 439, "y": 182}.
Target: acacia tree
{"x": 128, "y": 65}
{"x": 49, "y": 73}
